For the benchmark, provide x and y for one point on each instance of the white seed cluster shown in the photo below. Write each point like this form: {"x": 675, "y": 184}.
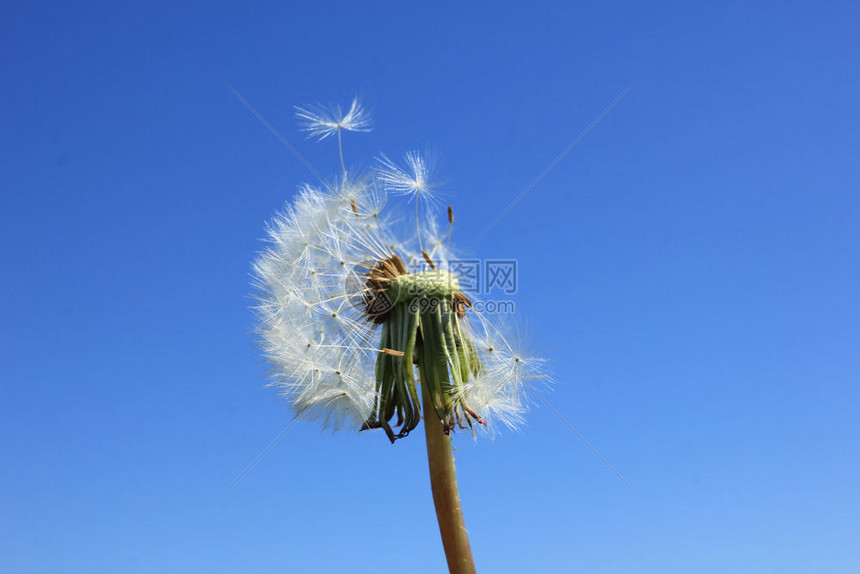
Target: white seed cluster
{"x": 312, "y": 323}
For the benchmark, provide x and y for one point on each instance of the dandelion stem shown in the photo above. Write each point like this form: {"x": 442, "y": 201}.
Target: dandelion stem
{"x": 443, "y": 482}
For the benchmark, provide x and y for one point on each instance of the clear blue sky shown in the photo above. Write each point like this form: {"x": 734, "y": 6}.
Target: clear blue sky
{"x": 691, "y": 269}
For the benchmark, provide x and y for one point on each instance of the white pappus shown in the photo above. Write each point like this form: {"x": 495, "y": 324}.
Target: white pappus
{"x": 338, "y": 251}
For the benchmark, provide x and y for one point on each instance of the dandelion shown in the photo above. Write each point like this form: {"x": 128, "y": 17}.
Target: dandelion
{"x": 360, "y": 336}
{"x": 412, "y": 181}
{"x": 321, "y": 122}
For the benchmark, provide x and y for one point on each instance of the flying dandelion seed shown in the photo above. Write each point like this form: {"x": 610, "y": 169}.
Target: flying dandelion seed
{"x": 412, "y": 181}
{"x": 359, "y": 341}
{"x": 321, "y": 122}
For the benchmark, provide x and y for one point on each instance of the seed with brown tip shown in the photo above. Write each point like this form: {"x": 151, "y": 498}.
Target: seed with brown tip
{"x": 428, "y": 260}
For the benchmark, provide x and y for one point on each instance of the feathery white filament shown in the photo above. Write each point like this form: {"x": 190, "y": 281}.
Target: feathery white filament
{"x": 322, "y": 122}
{"x": 412, "y": 180}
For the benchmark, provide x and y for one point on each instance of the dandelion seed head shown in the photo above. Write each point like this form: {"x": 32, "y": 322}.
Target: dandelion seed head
{"x": 340, "y": 267}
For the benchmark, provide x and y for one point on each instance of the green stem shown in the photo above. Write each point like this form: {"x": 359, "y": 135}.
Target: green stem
{"x": 443, "y": 482}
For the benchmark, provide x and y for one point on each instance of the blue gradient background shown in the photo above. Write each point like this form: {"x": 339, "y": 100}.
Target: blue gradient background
{"x": 690, "y": 268}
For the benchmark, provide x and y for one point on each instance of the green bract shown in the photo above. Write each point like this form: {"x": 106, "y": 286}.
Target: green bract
{"x": 423, "y": 328}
